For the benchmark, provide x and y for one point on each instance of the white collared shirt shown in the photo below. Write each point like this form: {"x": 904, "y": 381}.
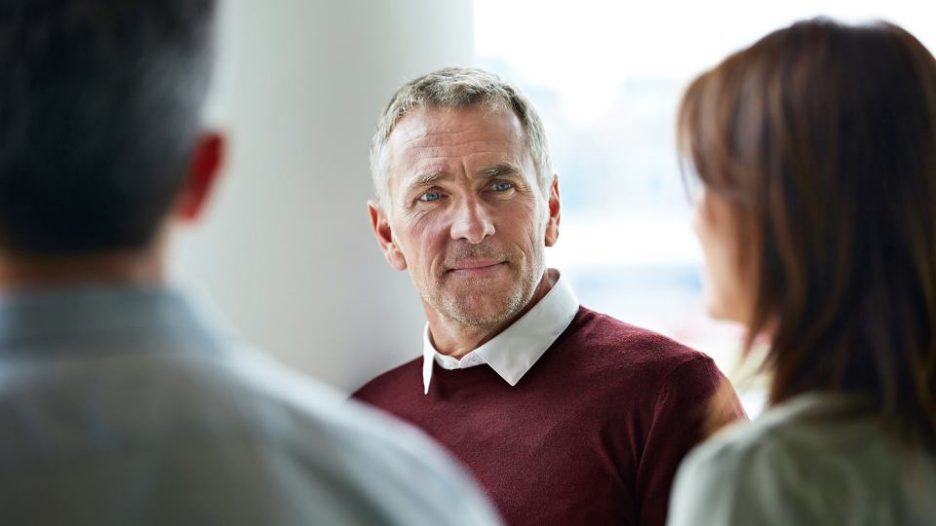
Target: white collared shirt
{"x": 514, "y": 351}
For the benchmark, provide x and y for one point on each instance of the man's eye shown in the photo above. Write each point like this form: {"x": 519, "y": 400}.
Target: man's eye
{"x": 501, "y": 186}
{"x": 430, "y": 196}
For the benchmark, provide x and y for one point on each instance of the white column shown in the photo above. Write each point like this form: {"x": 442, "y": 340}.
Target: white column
{"x": 285, "y": 248}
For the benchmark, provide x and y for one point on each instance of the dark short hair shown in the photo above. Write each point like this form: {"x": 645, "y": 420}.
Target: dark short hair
{"x": 822, "y": 138}
{"x": 100, "y": 105}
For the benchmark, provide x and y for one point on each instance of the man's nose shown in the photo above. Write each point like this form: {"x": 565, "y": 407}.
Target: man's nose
{"x": 472, "y": 222}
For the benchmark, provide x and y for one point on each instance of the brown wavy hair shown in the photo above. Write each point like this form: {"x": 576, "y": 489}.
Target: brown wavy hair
{"x": 822, "y": 138}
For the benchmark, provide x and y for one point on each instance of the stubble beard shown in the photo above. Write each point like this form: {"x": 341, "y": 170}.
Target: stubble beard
{"x": 480, "y": 308}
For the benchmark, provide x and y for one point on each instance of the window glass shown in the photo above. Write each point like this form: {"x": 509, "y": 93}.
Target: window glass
{"x": 606, "y": 78}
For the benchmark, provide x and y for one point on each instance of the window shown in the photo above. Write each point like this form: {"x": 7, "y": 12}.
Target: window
{"x": 606, "y": 78}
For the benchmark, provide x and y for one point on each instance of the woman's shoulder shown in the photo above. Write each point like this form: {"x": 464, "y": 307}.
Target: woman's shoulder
{"x": 805, "y": 461}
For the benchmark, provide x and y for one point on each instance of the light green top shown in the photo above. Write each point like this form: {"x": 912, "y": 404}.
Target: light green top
{"x": 806, "y": 462}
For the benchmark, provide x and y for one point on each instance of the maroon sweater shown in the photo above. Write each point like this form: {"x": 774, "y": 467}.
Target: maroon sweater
{"x": 592, "y": 434}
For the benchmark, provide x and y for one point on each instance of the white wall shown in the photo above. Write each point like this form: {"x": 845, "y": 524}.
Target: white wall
{"x": 286, "y": 249}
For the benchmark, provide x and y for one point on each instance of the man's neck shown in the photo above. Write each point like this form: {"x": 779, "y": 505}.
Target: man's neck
{"x": 457, "y": 340}
{"x": 143, "y": 267}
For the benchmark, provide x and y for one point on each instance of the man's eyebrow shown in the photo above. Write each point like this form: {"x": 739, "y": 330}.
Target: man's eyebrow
{"x": 431, "y": 178}
{"x": 426, "y": 179}
{"x": 499, "y": 170}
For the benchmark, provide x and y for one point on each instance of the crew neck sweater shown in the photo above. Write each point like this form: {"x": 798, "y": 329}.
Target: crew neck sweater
{"x": 592, "y": 434}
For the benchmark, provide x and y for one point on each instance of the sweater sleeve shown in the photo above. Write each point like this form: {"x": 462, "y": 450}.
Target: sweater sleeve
{"x": 693, "y": 400}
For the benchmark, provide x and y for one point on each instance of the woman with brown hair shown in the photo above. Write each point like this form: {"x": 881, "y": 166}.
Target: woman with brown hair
{"x": 816, "y": 153}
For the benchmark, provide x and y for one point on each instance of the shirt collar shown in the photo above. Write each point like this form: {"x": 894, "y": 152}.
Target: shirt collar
{"x": 513, "y": 352}
{"x": 62, "y": 318}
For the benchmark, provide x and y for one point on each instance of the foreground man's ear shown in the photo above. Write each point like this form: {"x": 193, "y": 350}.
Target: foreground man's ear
{"x": 380, "y": 223}
{"x": 203, "y": 172}
{"x": 552, "y": 224}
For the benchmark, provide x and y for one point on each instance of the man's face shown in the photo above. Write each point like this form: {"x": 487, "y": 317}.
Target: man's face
{"x": 468, "y": 219}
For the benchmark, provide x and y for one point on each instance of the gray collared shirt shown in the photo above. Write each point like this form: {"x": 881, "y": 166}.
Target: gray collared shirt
{"x": 131, "y": 406}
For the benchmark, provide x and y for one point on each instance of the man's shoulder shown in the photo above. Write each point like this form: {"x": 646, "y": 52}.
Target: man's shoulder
{"x": 376, "y": 450}
{"x": 328, "y": 439}
{"x": 308, "y": 404}
{"x": 619, "y": 345}
{"x": 245, "y": 417}
{"x": 236, "y": 394}
{"x": 400, "y": 380}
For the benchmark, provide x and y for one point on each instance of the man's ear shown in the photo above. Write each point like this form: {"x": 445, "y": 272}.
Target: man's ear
{"x": 388, "y": 245}
{"x": 203, "y": 172}
{"x": 552, "y": 224}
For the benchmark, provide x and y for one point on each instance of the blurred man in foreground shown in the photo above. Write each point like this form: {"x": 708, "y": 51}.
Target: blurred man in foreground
{"x": 121, "y": 402}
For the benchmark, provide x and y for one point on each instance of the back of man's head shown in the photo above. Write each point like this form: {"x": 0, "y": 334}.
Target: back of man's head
{"x": 100, "y": 106}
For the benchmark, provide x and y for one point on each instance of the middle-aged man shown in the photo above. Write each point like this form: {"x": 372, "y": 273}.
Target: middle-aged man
{"x": 565, "y": 415}
{"x": 121, "y": 403}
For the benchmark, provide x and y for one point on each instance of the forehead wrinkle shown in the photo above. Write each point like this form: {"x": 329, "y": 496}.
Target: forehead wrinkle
{"x": 432, "y": 133}
{"x": 421, "y": 130}
{"x": 441, "y": 155}
{"x": 498, "y": 170}
{"x": 443, "y": 141}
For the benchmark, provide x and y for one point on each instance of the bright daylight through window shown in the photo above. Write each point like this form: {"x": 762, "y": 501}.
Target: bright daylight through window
{"x": 606, "y": 78}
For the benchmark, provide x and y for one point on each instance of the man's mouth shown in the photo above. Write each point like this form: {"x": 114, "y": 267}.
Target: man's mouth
{"x": 476, "y": 267}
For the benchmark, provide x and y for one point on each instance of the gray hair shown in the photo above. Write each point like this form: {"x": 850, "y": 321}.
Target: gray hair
{"x": 458, "y": 87}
